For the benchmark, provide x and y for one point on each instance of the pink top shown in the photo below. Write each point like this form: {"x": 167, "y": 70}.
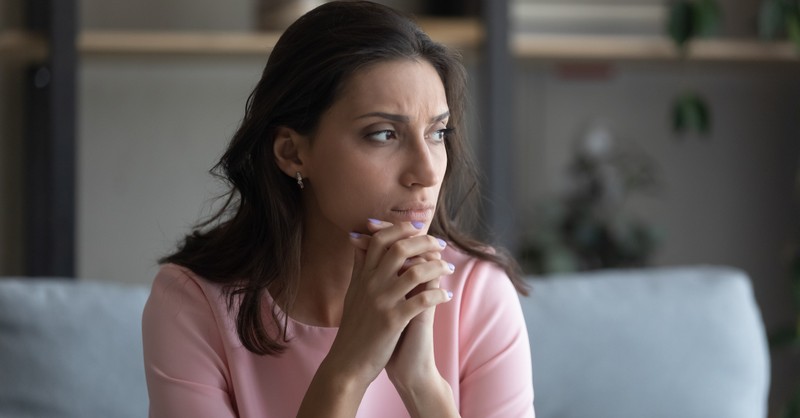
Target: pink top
{"x": 197, "y": 367}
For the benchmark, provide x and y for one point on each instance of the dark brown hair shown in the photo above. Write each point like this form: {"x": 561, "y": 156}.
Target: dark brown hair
{"x": 253, "y": 242}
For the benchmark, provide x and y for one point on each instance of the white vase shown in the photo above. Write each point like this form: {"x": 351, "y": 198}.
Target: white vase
{"x": 279, "y": 14}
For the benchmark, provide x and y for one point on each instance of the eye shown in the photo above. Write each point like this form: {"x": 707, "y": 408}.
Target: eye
{"x": 382, "y": 136}
{"x": 441, "y": 134}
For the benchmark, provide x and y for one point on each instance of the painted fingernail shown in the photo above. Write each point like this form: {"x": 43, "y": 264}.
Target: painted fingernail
{"x": 442, "y": 242}
{"x": 374, "y": 221}
{"x": 418, "y": 224}
{"x": 449, "y": 295}
{"x": 355, "y": 235}
{"x": 451, "y": 266}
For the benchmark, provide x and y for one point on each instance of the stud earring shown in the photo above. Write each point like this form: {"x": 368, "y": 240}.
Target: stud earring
{"x": 299, "y": 178}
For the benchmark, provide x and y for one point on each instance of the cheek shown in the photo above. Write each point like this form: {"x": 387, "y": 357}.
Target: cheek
{"x": 350, "y": 192}
{"x": 442, "y": 164}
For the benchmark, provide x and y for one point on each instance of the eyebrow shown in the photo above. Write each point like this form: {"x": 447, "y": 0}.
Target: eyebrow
{"x": 402, "y": 118}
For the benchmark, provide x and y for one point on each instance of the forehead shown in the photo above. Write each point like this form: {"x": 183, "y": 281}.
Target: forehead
{"x": 403, "y": 85}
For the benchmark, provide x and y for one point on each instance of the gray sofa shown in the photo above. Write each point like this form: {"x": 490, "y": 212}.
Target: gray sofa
{"x": 669, "y": 342}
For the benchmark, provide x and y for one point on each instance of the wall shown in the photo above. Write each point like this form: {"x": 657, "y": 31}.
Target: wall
{"x": 724, "y": 199}
{"x": 149, "y": 129}
{"x": 728, "y": 199}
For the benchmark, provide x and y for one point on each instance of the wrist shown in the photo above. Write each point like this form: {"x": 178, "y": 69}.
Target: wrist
{"x": 347, "y": 379}
{"x": 333, "y": 393}
{"x": 431, "y": 397}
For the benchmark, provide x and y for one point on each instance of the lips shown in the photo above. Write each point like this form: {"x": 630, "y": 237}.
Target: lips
{"x": 413, "y": 212}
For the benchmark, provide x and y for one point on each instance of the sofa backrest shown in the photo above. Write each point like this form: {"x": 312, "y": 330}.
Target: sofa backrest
{"x": 667, "y": 342}
{"x": 670, "y": 342}
{"x": 71, "y": 349}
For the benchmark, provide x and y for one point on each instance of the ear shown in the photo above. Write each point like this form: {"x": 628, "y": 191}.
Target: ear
{"x": 289, "y": 149}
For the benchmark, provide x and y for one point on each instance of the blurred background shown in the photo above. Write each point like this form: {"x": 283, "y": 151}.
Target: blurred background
{"x": 604, "y": 143}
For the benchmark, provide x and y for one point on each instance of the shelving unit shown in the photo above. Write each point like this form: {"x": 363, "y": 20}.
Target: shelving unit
{"x": 55, "y": 45}
{"x": 468, "y": 34}
{"x": 649, "y": 48}
{"x": 57, "y": 48}
{"x": 22, "y": 45}
{"x": 457, "y": 33}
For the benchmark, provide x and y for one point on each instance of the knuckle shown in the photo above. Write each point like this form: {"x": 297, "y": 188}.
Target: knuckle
{"x": 399, "y": 248}
{"x": 394, "y": 320}
{"x": 379, "y": 240}
{"x": 413, "y": 275}
{"x": 427, "y": 298}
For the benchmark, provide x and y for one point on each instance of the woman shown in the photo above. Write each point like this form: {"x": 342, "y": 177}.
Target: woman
{"x": 334, "y": 282}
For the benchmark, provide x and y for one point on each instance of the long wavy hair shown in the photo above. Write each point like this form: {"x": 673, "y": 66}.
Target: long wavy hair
{"x": 252, "y": 243}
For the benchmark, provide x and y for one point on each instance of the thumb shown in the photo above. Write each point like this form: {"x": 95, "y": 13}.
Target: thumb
{"x": 359, "y": 255}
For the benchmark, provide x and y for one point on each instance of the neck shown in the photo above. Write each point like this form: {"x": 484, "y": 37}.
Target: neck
{"x": 326, "y": 266}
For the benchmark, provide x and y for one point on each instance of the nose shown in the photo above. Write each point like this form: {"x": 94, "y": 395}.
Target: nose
{"x": 423, "y": 163}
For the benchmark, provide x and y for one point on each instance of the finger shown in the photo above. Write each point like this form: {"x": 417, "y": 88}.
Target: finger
{"x": 410, "y": 262}
{"x": 425, "y": 300}
{"x": 433, "y": 284}
{"x": 359, "y": 254}
{"x": 375, "y": 225}
{"x": 420, "y": 274}
{"x": 359, "y": 240}
{"x": 382, "y": 240}
{"x": 393, "y": 259}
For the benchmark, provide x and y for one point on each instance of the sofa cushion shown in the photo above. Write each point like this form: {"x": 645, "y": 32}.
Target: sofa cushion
{"x": 668, "y": 342}
{"x": 71, "y": 349}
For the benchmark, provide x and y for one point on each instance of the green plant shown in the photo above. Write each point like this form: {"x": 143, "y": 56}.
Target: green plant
{"x": 587, "y": 228}
{"x": 789, "y": 337}
{"x": 779, "y": 18}
{"x": 688, "y": 20}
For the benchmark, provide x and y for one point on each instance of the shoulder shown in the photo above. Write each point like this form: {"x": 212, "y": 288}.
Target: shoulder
{"x": 173, "y": 280}
{"x": 474, "y": 277}
{"x": 177, "y": 291}
{"x": 482, "y": 291}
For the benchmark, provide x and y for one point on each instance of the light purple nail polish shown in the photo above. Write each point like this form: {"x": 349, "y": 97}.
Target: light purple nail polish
{"x": 442, "y": 242}
{"x": 374, "y": 221}
{"x": 451, "y": 266}
{"x": 355, "y": 235}
{"x": 449, "y": 295}
{"x": 418, "y": 224}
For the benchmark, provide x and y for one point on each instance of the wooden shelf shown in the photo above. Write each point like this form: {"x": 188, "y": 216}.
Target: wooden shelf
{"x": 21, "y": 45}
{"x": 620, "y": 48}
{"x": 115, "y": 42}
{"x": 458, "y": 33}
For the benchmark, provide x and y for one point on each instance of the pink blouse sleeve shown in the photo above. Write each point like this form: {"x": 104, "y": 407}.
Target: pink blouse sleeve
{"x": 184, "y": 365}
{"x": 496, "y": 378}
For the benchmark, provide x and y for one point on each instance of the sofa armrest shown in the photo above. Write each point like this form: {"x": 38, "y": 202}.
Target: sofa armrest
{"x": 71, "y": 349}
{"x": 667, "y": 342}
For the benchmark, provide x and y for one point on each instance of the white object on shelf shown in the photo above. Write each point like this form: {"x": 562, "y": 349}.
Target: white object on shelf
{"x": 581, "y": 17}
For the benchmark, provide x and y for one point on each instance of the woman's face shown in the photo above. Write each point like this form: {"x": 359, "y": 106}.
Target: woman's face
{"x": 378, "y": 151}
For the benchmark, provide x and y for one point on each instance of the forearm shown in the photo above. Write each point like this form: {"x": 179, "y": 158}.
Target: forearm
{"x": 332, "y": 394}
{"x": 433, "y": 400}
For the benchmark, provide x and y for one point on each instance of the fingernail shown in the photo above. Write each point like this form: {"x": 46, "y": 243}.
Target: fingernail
{"x": 442, "y": 242}
{"x": 355, "y": 235}
{"x": 374, "y": 221}
{"x": 418, "y": 224}
{"x": 449, "y": 295}
{"x": 451, "y": 267}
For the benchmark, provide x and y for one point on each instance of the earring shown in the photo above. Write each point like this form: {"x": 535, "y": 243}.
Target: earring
{"x": 299, "y": 178}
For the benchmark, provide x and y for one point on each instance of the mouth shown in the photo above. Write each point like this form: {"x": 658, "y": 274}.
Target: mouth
{"x": 411, "y": 213}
